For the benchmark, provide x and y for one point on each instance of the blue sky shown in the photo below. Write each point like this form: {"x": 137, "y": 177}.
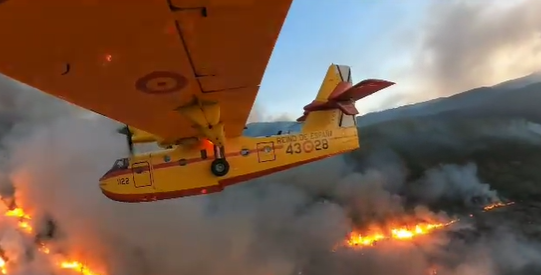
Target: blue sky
{"x": 368, "y": 35}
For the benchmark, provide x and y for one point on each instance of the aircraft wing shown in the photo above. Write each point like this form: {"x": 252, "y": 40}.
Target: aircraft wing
{"x": 137, "y": 61}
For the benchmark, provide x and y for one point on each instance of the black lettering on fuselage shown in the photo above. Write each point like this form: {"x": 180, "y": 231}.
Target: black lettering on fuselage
{"x": 302, "y": 137}
{"x": 321, "y": 134}
{"x": 286, "y": 139}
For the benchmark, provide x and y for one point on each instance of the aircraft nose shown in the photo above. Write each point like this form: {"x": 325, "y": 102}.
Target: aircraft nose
{"x": 105, "y": 186}
{"x": 110, "y": 190}
{"x": 108, "y": 183}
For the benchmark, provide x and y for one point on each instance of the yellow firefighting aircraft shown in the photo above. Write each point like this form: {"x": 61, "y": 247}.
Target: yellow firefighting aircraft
{"x": 182, "y": 73}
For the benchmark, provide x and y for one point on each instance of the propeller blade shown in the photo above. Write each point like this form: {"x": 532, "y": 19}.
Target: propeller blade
{"x": 126, "y": 131}
{"x": 130, "y": 143}
{"x": 123, "y": 130}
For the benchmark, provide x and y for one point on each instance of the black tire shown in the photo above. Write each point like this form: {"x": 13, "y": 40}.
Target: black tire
{"x": 219, "y": 167}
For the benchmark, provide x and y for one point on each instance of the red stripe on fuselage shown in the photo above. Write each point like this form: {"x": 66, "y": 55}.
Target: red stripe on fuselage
{"x": 207, "y": 190}
{"x": 173, "y": 163}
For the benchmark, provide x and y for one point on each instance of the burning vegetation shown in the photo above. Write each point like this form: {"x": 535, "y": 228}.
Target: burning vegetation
{"x": 394, "y": 233}
{"x": 23, "y": 223}
{"x": 61, "y": 261}
{"x": 405, "y": 232}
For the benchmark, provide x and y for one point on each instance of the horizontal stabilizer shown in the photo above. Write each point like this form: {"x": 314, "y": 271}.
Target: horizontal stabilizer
{"x": 344, "y": 96}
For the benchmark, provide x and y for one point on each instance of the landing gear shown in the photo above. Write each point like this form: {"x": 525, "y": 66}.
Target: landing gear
{"x": 219, "y": 167}
{"x": 206, "y": 116}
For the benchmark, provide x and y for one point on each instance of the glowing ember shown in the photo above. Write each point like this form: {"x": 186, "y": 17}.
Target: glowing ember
{"x": 44, "y": 249}
{"x": 24, "y": 226}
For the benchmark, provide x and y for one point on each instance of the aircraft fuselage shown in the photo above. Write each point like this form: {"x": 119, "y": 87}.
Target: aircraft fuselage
{"x": 184, "y": 170}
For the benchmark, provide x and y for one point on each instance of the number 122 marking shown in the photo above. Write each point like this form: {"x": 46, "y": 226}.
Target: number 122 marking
{"x": 123, "y": 181}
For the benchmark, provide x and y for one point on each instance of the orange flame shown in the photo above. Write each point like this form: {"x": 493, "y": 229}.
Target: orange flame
{"x": 397, "y": 233}
{"x": 497, "y": 205}
{"x": 77, "y": 266}
{"x": 17, "y": 212}
{"x": 3, "y": 269}
{"x": 405, "y": 232}
{"x": 24, "y": 225}
{"x": 354, "y": 239}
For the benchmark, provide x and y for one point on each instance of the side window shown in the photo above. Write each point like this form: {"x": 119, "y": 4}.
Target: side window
{"x": 347, "y": 121}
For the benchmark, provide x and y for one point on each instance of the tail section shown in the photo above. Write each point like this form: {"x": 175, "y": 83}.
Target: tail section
{"x": 335, "y": 75}
{"x": 336, "y": 99}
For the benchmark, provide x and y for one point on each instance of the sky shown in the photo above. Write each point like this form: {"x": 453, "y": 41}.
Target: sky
{"x": 406, "y": 42}
{"x": 317, "y": 33}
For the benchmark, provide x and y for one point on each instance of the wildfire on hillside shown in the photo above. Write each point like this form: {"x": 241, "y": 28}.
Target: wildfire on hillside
{"x": 369, "y": 238}
{"x": 60, "y": 261}
{"x": 497, "y": 205}
{"x": 354, "y": 239}
{"x": 405, "y": 232}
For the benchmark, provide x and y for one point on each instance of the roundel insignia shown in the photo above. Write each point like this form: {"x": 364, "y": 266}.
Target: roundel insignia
{"x": 244, "y": 152}
{"x": 160, "y": 82}
{"x": 166, "y": 158}
{"x": 267, "y": 149}
{"x": 308, "y": 146}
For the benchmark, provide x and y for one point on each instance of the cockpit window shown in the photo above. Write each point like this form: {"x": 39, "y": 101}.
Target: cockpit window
{"x": 120, "y": 164}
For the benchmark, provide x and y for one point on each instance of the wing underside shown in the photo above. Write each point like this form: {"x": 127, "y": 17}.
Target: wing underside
{"x": 138, "y": 61}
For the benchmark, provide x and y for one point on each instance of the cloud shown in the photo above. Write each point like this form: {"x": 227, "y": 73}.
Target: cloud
{"x": 465, "y": 44}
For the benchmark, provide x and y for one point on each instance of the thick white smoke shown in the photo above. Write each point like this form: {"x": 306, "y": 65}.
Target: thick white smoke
{"x": 462, "y": 44}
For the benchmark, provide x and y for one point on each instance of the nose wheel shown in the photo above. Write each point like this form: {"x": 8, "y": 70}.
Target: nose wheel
{"x": 219, "y": 167}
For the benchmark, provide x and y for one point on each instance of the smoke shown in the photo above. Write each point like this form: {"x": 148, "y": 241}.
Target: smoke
{"x": 466, "y": 44}
{"x": 260, "y": 114}
{"x": 280, "y": 225}
{"x": 453, "y": 181}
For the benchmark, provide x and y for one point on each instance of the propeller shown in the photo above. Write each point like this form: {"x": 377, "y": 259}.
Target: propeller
{"x": 126, "y": 131}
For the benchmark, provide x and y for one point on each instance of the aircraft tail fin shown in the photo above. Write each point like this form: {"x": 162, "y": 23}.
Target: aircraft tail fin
{"x": 334, "y": 76}
{"x": 337, "y": 95}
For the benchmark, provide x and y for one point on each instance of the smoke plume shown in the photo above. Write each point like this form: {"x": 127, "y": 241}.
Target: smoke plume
{"x": 467, "y": 44}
